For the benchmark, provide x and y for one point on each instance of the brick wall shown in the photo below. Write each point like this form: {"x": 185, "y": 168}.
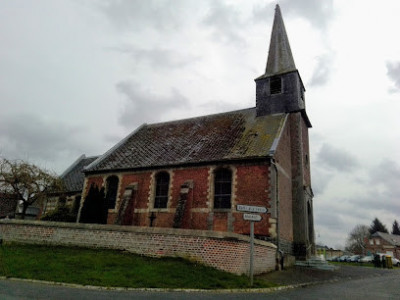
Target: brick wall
{"x": 225, "y": 251}
{"x": 283, "y": 159}
{"x": 250, "y": 186}
{"x": 306, "y": 153}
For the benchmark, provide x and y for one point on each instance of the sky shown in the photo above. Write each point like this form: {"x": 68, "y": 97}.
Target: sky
{"x": 76, "y": 76}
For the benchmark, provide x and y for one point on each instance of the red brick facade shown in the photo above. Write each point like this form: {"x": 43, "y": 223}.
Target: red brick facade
{"x": 250, "y": 185}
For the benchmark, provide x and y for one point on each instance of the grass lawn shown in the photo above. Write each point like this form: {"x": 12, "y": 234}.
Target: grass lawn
{"x": 112, "y": 268}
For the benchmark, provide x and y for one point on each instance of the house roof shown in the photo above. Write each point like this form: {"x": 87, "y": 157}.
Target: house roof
{"x": 392, "y": 239}
{"x": 74, "y": 177}
{"x": 221, "y": 137}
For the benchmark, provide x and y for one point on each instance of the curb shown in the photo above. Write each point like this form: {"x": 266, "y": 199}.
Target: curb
{"x": 103, "y": 288}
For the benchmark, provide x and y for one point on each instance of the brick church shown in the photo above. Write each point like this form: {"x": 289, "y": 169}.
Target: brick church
{"x": 193, "y": 173}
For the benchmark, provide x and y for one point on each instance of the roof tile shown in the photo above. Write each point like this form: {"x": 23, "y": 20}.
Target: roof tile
{"x": 227, "y": 136}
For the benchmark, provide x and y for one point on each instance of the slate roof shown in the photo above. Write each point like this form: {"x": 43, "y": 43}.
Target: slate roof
{"x": 392, "y": 239}
{"x": 74, "y": 177}
{"x": 220, "y": 137}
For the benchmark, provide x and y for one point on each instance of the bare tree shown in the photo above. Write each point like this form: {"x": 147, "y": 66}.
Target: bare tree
{"x": 357, "y": 238}
{"x": 27, "y": 182}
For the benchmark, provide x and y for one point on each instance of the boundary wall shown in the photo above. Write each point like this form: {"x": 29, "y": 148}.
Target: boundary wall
{"x": 222, "y": 250}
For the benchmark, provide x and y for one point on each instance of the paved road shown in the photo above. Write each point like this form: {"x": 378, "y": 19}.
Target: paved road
{"x": 381, "y": 287}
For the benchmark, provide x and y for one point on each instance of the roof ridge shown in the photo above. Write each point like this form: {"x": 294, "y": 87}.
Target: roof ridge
{"x": 278, "y": 138}
{"x": 74, "y": 164}
{"x": 200, "y": 117}
{"x": 389, "y": 237}
{"x": 112, "y": 149}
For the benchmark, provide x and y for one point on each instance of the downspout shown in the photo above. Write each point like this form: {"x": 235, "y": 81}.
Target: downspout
{"x": 278, "y": 250}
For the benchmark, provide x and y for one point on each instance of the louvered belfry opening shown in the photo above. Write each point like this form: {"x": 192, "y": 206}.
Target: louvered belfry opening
{"x": 275, "y": 85}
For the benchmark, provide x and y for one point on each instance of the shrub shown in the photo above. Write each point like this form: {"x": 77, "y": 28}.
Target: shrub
{"x": 61, "y": 214}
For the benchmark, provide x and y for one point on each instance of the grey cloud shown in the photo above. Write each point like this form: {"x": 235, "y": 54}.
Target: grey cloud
{"x": 332, "y": 223}
{"x": 379, "y": 197}
{"x": 320, "y": 180}
{"x": 226, "y": 23}
{"x": 393, "y": 72}
{"x": 317, "y": 12}
{"x": 264, "y": 13}
{"x": 36, "y": 139}
{"x": 218, "y": 105}
{"x": 334, "y": 219}
{"x": 159, "y": 58}
{"x": 378, "y": 201}
{"x": 336, "y": 159}
{"x": 322, "y": 70}
{"x": 357, "y": 209}
{"x": 139, "y": 14}
{"x": 326, "y": 218}
{"x": 386, "y": 174}
{"x": 143, "y": 106}
{"x": 113, "y": 138}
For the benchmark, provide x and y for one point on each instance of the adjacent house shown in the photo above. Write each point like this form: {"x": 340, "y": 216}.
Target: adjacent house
{"x": 73, "y": 179}
{"x": 386, "y": 243}
{"x": 193, "y": 173}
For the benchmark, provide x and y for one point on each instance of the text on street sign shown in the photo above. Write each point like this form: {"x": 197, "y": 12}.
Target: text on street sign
{"x": 251, "y": 217}
{"x": 250, "y": 208}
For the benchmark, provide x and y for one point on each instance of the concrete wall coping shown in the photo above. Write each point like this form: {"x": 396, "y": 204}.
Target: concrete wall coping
{"x": 144, "y": 230}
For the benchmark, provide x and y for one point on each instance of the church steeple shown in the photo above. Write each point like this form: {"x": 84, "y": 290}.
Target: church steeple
{"x": 279, "y": 89}
{"x": 280, "y": 59}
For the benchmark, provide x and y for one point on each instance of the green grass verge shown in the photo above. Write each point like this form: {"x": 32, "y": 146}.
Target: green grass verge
{"x": 113, "y": 268}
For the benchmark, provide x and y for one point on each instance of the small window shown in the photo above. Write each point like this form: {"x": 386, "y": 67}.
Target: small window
{"x": 275, "y": 85}
{"x": 162, "y": 186}
{"x": 377, "y": 242}
{"x": 112, "y": 190}
{"x": 371, "y": 242}
{"x": 222, "y": 188}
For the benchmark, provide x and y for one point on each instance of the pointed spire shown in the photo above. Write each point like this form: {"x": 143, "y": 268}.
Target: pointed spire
{"x": 280, "y": 59}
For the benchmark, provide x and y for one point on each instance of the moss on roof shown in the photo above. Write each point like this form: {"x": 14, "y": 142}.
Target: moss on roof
{"x": 227, "y": 136}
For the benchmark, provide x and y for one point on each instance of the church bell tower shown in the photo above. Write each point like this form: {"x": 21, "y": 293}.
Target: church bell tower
{"x": 279, "y": 89}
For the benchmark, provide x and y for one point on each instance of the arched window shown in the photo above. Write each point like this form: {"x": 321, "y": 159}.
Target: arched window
{"x": 112, "y": 190}
{"x": 222, "y": 188}
{"x": 162, "y": 186}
